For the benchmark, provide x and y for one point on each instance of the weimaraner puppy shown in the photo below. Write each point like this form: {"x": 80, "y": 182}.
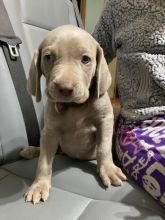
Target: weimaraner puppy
{"x": 78, "y": 113}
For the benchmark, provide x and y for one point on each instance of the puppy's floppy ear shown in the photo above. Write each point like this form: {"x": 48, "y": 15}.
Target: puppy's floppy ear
{"x": 33, "y": 82}
{"x": 103, "y": 76}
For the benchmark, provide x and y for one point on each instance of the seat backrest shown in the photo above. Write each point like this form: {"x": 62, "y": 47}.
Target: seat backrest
{"x": 31, "y": 20}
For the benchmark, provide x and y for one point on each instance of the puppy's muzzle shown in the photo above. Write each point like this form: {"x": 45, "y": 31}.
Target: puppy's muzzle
{"x": 64, "y": 89}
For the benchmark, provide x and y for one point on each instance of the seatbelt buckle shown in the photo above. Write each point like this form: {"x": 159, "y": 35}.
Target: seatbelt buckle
{"x": 12, "y": 44}
{"x": 13, "y": 50}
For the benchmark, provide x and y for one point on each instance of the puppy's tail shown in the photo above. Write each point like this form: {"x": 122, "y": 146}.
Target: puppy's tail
{"x": 30, "y": 152}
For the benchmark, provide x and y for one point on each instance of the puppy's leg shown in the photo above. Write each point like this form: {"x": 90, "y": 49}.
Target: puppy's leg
{"x": 39, "y": 190}
{"x": 108, "y": 171}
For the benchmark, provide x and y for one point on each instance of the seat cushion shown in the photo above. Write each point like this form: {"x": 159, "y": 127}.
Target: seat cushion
{"x": 77, "y": 193}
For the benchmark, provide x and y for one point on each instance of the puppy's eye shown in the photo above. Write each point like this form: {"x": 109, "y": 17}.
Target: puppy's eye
{"x": 48, "y": 57}
{"x": 85, "y": 59}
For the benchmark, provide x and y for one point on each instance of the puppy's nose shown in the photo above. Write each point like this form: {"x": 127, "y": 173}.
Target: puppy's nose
{"x": 65, "y": 89}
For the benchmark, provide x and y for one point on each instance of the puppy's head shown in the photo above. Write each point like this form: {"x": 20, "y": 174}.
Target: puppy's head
{"x": 71, "y": 61}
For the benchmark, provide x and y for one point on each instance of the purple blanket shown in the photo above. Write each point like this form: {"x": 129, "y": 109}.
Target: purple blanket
{"x": 141, "y": 152}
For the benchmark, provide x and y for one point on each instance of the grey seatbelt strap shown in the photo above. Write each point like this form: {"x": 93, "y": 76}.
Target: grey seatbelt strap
{"x": 10, "y": 45}
{"x": 77, "y": 13}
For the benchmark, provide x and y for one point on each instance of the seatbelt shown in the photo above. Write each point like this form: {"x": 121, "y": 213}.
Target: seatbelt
{"x": 77, "y": 13}
{"x": 10, "y": 45}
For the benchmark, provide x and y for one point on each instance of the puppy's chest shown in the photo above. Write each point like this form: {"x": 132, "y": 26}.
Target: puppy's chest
{"x": 74, "y": 121}
{"x": 78, "y": 134}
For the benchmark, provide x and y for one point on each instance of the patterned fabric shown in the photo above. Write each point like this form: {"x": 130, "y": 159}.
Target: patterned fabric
{"x": 141, "y": 152}
{"x": 134, "y": 32}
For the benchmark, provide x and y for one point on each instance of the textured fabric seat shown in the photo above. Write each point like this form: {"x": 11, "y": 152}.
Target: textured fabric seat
{"x": 77, "y": 192}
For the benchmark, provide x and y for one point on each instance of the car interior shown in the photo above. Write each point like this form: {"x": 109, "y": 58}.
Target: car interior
{"x": 77, "y": 192}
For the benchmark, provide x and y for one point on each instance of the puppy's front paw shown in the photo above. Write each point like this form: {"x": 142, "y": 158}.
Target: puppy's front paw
{"x": 111, "y": 175}
{"x": 39, "y": 191}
